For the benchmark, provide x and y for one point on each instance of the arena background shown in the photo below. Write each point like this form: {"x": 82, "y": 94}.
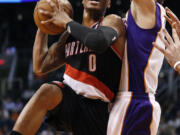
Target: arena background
{"x": 17, "y": 83}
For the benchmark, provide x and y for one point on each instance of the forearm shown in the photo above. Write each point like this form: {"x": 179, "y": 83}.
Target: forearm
{"x": 40, "y": 50}
{"x": 95, "y": 39}
{"x": 52, "y": 58}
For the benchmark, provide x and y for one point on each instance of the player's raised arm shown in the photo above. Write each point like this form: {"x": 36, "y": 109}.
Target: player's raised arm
{"x": 46, "y": 60}
{"x": 144, "y": 13}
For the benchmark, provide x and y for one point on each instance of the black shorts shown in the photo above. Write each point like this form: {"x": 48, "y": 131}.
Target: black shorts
{"x": 82, "y": 116}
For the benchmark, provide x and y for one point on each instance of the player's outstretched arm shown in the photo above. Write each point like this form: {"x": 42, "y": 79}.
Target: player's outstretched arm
{"x": 46, "y": 60}
{"x": 172, "y": 50}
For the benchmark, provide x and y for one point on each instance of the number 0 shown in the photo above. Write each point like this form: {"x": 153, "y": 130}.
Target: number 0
{"x": 92, "y": 62}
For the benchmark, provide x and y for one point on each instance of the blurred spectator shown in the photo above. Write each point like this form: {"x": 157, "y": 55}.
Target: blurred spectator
{"x": 48, "y": 131}
{"x": 9, "y": 104}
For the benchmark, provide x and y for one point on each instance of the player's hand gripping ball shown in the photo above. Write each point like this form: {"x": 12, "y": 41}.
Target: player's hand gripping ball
{"x": 50, "y": 28}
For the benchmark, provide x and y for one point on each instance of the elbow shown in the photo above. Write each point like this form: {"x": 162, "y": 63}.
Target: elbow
{"x": 98, "y": 43}
{"x": 101, "y": 46}
{"x": 39, "y": 73}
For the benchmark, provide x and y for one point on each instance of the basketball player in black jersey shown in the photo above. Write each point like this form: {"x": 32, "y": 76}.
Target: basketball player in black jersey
{"x": 91, "y": 52}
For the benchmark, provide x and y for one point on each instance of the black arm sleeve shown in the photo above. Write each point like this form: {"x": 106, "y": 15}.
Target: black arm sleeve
{"x": 96, "y": 39}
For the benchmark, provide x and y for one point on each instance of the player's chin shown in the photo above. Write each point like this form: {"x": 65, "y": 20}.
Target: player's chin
{"x": 94, "y": 8}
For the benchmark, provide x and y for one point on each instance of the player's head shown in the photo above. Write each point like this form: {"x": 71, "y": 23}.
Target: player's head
{"x": 96, "y": 6}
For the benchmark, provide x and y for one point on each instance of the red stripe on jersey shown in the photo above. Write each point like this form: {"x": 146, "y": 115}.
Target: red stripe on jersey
{"x": 90, "y": 80}
{"x": 100, "y": 20}
{"x": 116, "y": 51}
{"x": 59, "y": 84}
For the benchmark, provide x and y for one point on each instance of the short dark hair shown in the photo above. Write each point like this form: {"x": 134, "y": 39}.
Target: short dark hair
{"x": 161, "y": 1}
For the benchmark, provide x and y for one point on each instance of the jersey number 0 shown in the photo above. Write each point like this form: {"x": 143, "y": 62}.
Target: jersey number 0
{"x": 92, "y": 62}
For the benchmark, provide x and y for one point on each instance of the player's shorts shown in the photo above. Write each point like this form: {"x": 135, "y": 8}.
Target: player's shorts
{"x": 82, "y": 116}
{"x": 134, "y": 114}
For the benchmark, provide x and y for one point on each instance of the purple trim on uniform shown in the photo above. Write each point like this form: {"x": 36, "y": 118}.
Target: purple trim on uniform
{"x": 139, "y": 49}
{"x": 138, "y": 117}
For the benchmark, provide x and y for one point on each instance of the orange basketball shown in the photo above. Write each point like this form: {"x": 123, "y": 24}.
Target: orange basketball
{"x": 50, "y": 28}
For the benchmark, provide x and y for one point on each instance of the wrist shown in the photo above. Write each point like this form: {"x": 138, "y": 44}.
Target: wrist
{"x": 68, "y": 27}
{"x": 66, "y": 22}
{"x": 177, "y": 66}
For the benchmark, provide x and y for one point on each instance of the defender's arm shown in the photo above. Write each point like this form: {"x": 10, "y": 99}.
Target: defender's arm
{"x": 144, "y": 13}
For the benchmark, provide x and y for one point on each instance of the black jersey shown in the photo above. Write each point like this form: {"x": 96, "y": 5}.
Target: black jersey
{"x": 92, "y": 74}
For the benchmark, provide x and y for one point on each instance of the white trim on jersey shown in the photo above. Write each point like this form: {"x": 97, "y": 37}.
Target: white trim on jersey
{"x": 84, "y": 89}
{"x": 124, "y": 81}
{"x": 155, "y": 116}
{"x": 118, "y": 113}
{"x": 155, "y": 61}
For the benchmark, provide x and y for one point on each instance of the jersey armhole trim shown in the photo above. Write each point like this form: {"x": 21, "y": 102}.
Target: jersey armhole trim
{"x": 117, "y": 52}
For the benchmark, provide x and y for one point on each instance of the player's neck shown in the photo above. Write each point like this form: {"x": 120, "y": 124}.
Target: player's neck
{"x": 90, "y": 18}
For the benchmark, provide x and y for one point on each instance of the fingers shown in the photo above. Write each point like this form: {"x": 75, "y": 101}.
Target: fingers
{"x": 60, "y": 5}
{"x": 47, "y": 21}
{"x": 53, "y": 5}
{"x": 175, "y": 35}
{"x": 168, "y": 37}
{"x": 168, "y": 19}
{"x": 159, "y": 48}
{"x": 163, "y": 40}
{"x": 47, "y": 13}
{"x": 171, "y": 15}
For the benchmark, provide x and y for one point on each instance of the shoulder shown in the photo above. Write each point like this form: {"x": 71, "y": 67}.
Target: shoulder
{"x": 114, "y": 21}
{"x": 111, "y": 19}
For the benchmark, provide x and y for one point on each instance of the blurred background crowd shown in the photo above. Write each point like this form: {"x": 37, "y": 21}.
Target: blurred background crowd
{"x": 17, "y": 83}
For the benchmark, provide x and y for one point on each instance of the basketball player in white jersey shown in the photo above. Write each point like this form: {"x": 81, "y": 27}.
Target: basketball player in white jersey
{"x": 92, "y": 74}
{"x": 172, "y": 50}
{"x": 136, "y": 111}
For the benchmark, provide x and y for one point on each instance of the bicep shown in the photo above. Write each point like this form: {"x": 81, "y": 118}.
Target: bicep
{"x": 118, "y": 25}
{"x": 114, "y": 22}
{"x": 55, "y": 57}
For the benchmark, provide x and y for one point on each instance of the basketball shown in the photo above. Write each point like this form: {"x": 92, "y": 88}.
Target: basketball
{"x": 50, "y": 28}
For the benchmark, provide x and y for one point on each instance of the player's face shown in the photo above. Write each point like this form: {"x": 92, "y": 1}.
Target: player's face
{"x": 96, "y": 5}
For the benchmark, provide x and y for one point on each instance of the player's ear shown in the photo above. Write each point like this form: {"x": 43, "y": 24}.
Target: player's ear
{"x": 109, "y": 3}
